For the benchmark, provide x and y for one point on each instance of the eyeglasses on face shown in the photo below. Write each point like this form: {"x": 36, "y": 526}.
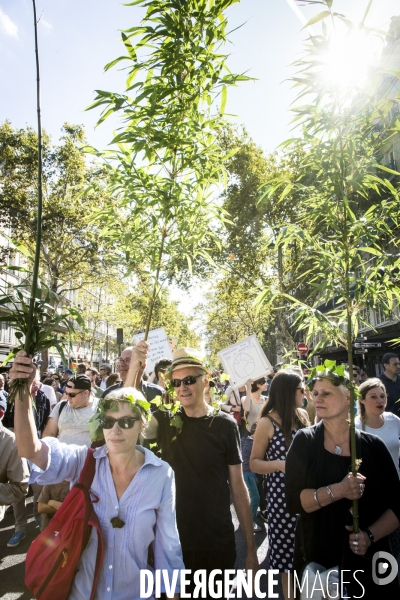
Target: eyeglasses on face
{"x": 124, "y": 361}
{"x": 73, "y": 395}
{"x": 189, "y": 380}
{"x": 123, "y": 422}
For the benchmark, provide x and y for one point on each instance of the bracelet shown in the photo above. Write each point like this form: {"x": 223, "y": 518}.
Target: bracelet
{"x": 330, "y": 494}
{"x": 316, "y": 499}
{"x": 370, "y": 535}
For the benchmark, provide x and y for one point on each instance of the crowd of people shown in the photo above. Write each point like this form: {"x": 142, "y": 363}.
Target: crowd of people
{"x": 174, "y": 450}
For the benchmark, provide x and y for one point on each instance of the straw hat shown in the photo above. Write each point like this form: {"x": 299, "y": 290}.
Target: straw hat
{"x": 185, "y": 357}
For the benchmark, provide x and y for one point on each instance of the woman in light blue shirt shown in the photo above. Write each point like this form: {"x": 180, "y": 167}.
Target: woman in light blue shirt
{"x": 135, "y": 488}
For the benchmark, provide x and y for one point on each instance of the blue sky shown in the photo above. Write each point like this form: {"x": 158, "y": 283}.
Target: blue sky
{"x": 77, "y": 38}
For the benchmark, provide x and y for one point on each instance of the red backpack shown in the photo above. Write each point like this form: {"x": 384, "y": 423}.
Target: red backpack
{"x": 52, "y": 559}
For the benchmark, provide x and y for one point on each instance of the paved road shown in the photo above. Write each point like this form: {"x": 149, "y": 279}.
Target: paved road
{"x": 12, "y": 559}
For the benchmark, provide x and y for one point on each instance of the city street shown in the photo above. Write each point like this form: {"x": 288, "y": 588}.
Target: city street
{"x": 12, "y": 560}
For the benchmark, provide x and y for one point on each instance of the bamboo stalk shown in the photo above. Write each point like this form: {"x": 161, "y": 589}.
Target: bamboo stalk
{"x": 356, "y": 526}
{"x": 35, "y": 275}
{"x": 154, "y": 296}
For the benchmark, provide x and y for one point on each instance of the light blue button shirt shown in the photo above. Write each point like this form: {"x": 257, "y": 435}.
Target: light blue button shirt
{"x": 148, "y": 508}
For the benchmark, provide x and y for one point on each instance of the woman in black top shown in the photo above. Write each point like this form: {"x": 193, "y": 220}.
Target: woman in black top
{"x": 320, "y": 488}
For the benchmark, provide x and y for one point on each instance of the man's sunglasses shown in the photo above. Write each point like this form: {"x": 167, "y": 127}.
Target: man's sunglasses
{"x": 123, "y": 422}
{"x": 189, "y": 380}
{"x": 73, "y": 395}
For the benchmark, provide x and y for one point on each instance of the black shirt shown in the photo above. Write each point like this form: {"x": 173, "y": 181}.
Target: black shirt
{"x": 200, "y": 456}
{"x": 393, "y": 393}
{"x": 321, "y": 535}
{"x": 42, "y": 410}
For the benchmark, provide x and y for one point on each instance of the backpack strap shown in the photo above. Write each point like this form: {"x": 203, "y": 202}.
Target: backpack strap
{"x": 85, "y": 479}
{"x": 62, "y": 406}
{"x": 89, "y": 469}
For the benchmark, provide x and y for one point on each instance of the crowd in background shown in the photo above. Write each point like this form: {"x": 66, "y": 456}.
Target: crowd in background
{"x": 289, "y": 435}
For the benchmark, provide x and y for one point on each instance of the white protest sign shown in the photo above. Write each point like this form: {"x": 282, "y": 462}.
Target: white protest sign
{"x": 244, "y": 360}
{"x": 159, "y": 346}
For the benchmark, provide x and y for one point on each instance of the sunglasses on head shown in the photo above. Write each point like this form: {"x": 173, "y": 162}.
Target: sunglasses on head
{"x": 189, "y": 380}
{"x": 123, "y": 422}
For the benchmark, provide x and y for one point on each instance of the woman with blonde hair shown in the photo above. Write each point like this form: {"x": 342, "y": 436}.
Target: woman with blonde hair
{"x": 320, "y": 488}
{"x": 135, "y": 490}
{"x": 374, "y": 419}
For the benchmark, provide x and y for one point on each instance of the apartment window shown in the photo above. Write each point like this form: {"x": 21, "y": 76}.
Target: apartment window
{"x": 364, "y": 315}
{"x": 382, "y": 317}
{"x": 5, "y": 333}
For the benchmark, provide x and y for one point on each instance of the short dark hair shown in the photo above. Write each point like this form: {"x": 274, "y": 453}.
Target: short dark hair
{"x": 256, "y": 383}
{"x": 92, "y": 370}
{"x": 107, "y": 369}
{"x": 387, "y": 357}
{"x": 162, "y": 365}
{"x": 356, "y": 368}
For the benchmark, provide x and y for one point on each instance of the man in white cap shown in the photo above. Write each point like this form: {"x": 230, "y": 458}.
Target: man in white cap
{"x": 204, "y": 451}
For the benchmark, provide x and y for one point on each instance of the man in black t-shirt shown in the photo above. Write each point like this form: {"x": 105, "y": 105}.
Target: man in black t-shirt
{"x": 391, "y": 380}
{"x": 204, "y": 451}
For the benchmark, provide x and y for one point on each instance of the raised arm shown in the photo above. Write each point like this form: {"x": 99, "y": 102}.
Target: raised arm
{"x": 138, "y": 361}
{"x": 28, "y": 444}
{"x": 246, "y": 402}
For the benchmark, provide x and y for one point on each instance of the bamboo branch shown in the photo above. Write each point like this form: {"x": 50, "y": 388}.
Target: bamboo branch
{"x": 35, "y": 275}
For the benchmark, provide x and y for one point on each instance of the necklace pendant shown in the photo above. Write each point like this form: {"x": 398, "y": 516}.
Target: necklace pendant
{"x": 117, "y": 523}
{"x": 338, "y": 450}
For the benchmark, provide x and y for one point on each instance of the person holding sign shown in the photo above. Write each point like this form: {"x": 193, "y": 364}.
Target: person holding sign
{"x": 254, "y": 404}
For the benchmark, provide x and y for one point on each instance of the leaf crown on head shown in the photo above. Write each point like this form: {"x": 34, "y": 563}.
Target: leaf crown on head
{"x": 329, "y": 370}
{"x": 134, "y": 397}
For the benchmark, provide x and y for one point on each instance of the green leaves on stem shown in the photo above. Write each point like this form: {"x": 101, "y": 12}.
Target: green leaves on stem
{"x": 166, "y": 165}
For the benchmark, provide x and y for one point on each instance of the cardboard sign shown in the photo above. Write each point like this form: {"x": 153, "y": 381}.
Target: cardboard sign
{"x": 244, "y": 360}
{"x": 159, "y": 346}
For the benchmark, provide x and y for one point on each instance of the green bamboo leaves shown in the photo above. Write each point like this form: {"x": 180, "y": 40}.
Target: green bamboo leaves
{"x": 347, "y": 230}
{"x": 166, "y": 165}
{"x": 50, "y": 327}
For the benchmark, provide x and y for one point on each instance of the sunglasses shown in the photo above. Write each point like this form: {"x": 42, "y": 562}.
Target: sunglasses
{"x": 189, "y": 380}
{"x": 73, "y": 395}
{"x": 123, "y": 422}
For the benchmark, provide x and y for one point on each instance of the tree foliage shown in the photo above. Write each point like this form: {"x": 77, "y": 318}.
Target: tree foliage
{"x": 117, "y": 303}
{"x": 71, "y": 251}
{"x": 348, "y": 232}
{"x": 229, "y": 315}
{"x": 166, "y": 161}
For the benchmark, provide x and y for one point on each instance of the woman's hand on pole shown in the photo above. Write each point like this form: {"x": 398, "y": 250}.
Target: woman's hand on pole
{"x": 358, "y": 542}
{"x": 352, "y": 487}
